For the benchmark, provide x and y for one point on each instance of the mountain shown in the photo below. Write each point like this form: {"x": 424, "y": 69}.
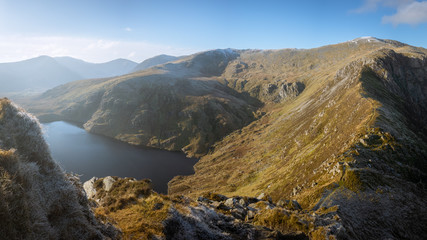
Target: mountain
{"x": 340, "y": 128}
{"x": 157, "y": 60}
{"x": 97, "y": 70}
{"x": 175, "y": 106}
{"x": 354, "y": 138}
{"x": 39, "y": 73}
{"x": 44, "y": 72}
{"x": 37, "y": 199}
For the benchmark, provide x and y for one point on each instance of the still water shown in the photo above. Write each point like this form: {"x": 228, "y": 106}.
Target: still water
{"x": 92, "y": 155}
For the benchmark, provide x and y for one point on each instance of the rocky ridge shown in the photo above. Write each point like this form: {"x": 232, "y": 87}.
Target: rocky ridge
{"x": 354, "y": 138}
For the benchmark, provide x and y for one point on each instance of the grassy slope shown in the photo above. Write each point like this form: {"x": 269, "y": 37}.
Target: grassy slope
{"x": 354, "y": 137}
{"x": 291, "y": 130}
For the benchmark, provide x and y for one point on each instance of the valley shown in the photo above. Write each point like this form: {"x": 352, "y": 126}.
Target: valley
{"x": 314, "y": 143}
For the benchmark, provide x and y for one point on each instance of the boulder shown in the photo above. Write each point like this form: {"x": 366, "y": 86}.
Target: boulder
{"x": 108, "y": 183}
{"x": 243, "y": 202}
{"x": 89, "y": 188}
{"x": 251, "y": 214}
{"x": 239, "y": 213}
{"x": 230, "y": 202}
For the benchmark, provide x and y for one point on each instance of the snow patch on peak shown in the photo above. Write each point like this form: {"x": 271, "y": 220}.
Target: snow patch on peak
{"x": 225, "y": 52}
{"x": 366, "y": 39}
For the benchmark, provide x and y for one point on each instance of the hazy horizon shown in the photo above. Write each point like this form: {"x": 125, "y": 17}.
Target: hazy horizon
{"x": 101, "y": 31}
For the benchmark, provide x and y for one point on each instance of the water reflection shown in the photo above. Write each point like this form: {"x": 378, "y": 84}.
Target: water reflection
{"x": 91, "y": 155}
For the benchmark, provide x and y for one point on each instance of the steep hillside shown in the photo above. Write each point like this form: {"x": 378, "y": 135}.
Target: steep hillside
{"x": 337, "y": 127}
{"x": 176, "y": 106}
{"x": 354, "y": 137}
{"x": 37, "y": 199}
{"x": 157, "y": 60}
{"x": 97, "y": 70}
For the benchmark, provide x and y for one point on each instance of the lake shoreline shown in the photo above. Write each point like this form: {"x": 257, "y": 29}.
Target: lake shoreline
{"x": 92, "y": 155}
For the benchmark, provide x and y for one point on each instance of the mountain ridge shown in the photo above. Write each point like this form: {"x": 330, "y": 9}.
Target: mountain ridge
{"x": 156, "y": 60}
{"x": 342, "y": 124}
{"x": 44, "y": 72}
{"x": 89, "y": 70}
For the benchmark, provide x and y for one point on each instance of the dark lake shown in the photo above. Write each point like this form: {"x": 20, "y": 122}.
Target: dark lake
{"x": 92, "y": 155}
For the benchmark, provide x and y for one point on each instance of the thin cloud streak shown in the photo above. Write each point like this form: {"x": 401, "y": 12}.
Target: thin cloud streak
{"x": 17, "y": 48}
{"x": 373, "y": 5}
{"x": 413, "y": 14}
{"x": 408, "y": 11}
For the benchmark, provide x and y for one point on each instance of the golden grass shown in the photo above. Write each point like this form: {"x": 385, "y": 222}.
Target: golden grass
{"x": 140, "y": 220}
{"x": 282, "y": 221}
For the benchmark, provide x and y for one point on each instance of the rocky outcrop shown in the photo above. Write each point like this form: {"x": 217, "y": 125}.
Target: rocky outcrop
{"x": 89, "y": 187}
{"x": 285, "y": 216}
{"x": 212, "y": 216}
{"x": 37, "y": 199}
{"x": 283, "y": 91}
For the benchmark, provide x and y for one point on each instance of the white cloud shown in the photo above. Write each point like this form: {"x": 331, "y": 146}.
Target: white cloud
{"x": 372, "y": 5}
{"x": 128, "y": 29}
{"x": 414, "y": 13}
{"x": 17, "y": 48}
{"x": 408, "y": 11}
{"x": 368, "y": 6}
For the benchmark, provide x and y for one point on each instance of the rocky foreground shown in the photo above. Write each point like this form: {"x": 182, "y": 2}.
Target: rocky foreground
{"x": 139, "y": 212}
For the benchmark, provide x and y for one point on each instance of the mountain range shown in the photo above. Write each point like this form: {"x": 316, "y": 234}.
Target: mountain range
{"x": 341, "y": 127}
{"x": 44, "y": 72}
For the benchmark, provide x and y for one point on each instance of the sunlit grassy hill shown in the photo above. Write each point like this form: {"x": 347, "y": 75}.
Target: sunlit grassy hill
{"x": 343, "y": 124}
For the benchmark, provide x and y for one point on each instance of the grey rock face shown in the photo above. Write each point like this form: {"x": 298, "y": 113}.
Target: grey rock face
{"x": 89, "y": 188}
{"x": 108, "y": 183}
{"x": 230, "y": 202}
{"x": 290, "y": 90}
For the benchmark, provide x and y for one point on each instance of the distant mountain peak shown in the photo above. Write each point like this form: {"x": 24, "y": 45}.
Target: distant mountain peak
{"x": 156, "y": 60}
{"x": 371, "y": 40}
{"x": 368, "y": 39}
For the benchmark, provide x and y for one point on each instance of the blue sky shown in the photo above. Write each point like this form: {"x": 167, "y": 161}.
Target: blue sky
{"x": 100, "y": 31}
